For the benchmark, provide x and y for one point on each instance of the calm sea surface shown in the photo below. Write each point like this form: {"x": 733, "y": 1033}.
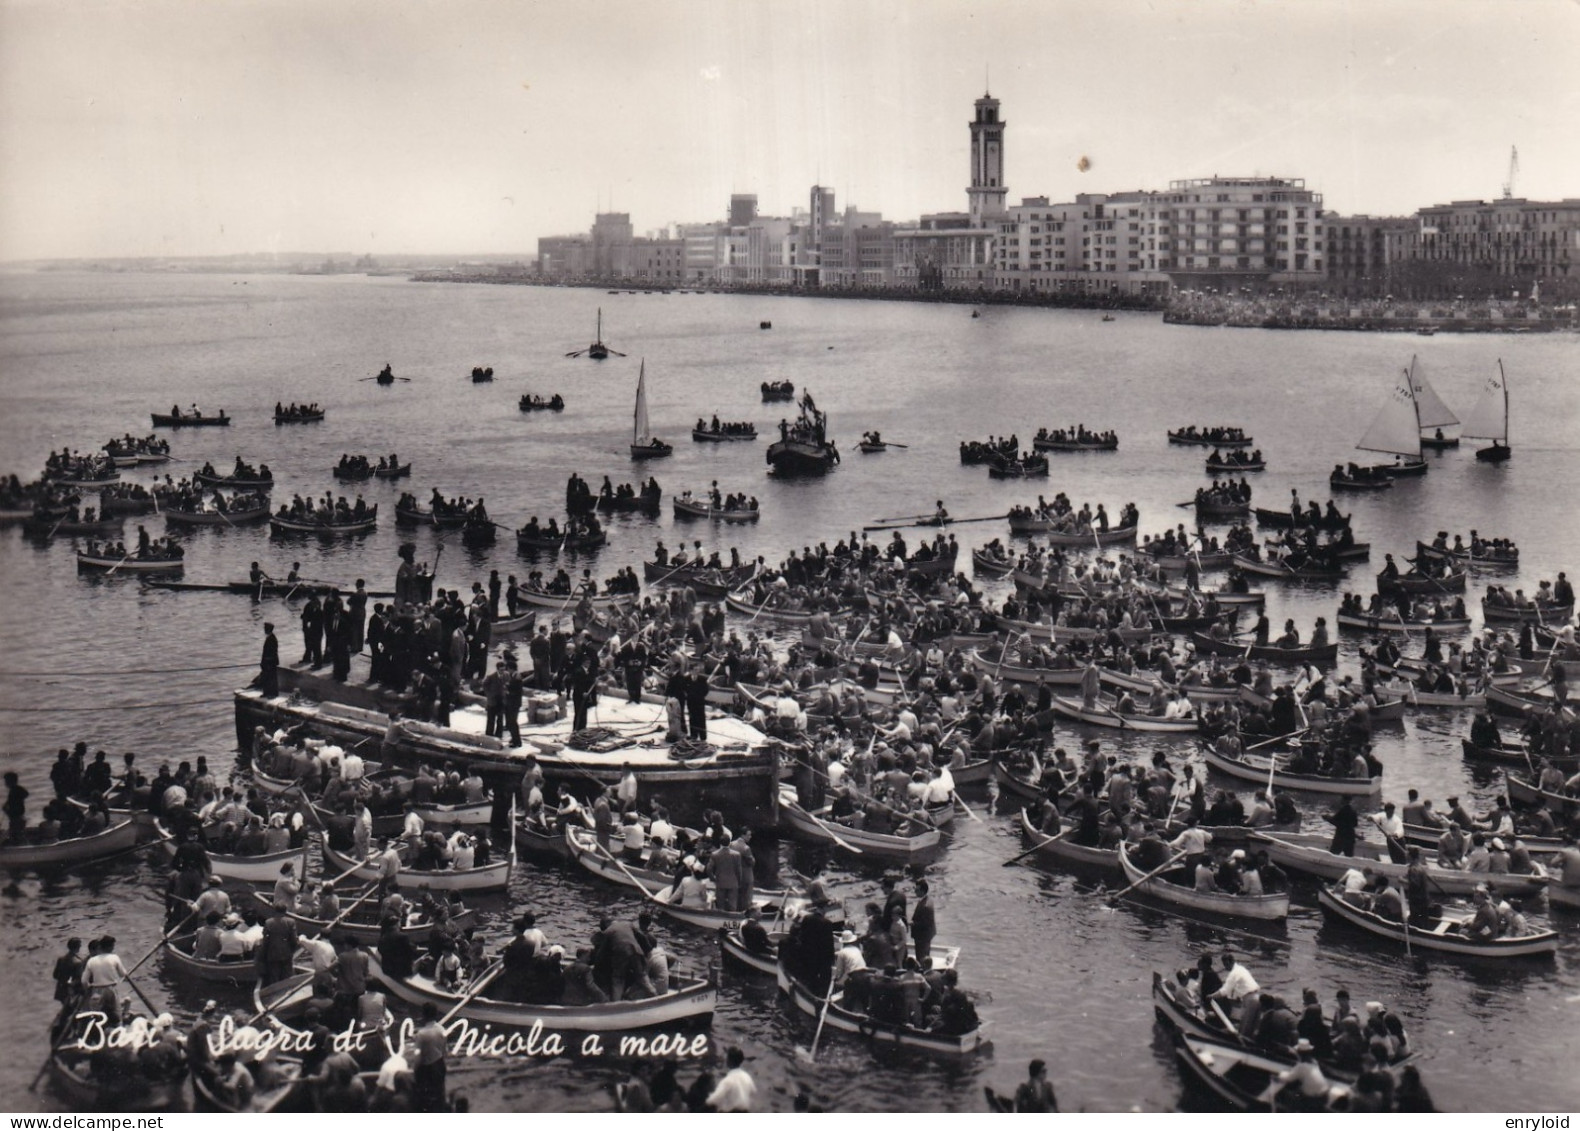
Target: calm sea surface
{"x": 1061, "y": 975}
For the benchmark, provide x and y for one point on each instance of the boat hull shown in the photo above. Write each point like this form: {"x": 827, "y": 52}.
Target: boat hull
{"x": 493, "y": 877}
{"x": 1541, "y": 945}
{"x": 69, "y": 853}
{"x": 877, "y": 1033}
{"x": 1268, "y": 908}
{"x": 1307, "y": 852}
{"x": 1256, "y": 771}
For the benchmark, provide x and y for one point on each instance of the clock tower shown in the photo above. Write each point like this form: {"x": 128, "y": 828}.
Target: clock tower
{"x": 987, "y": 191}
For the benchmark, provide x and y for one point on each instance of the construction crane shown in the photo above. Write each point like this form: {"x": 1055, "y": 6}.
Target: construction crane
{"x": 1514, "y": 169}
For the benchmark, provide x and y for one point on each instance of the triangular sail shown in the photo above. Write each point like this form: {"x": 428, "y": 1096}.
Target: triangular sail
{"x": 1434, "y": 413}
{"x": 1396, "y": 429}
{"x": 1489, "y": 419}
{"x": 641, "y": 434}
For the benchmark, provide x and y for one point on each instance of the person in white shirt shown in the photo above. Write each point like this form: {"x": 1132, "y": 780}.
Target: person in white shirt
{"x": 461, "y": 852}
{"x": 626, "y": 791}
{"x": 1390, "y": 823}
{"x": 737, "y": 1090}
{"x": 104, "y": 968}
{"x": 836, "y": 773}
{"x": 352, "y": 767}
{"x": 849, "y": 959}
{"x": 942, "y": 787}
{"x": 1192, "y": 842}
{"x": 1240, "y": 986}
{"x": 320, "y": 951}
{"x": 661, "y": 831}
{"x": 411, "y": 828}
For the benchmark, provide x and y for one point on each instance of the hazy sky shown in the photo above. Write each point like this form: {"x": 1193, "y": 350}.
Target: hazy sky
{"x": 195, "y": 127}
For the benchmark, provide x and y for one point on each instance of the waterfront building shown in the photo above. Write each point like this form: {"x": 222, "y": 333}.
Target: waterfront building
{"x": 1494, "y": 248}
{"x": 1365, "y": 253}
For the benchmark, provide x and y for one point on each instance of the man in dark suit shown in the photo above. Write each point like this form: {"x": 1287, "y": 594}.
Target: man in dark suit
{"x": 313, "y": 632}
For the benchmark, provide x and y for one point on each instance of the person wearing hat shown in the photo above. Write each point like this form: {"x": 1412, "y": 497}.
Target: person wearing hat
{"x": 234, "y": 943}
{"x": 848, "y": 960}
{"x": 1303, "y": 1083}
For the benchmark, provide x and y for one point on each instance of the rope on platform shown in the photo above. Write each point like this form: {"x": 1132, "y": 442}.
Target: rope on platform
{"x": 116, "y": 707}
{"x": 136, "y": 671}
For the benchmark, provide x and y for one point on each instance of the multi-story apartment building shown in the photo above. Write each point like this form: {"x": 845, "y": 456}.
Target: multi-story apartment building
{"x": 1365, "y": 254}
{"x": 1496, "y": 247}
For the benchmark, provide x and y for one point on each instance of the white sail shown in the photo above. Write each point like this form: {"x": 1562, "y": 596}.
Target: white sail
{"x": 1434, "y": 413}
{"x": 1489, "y": 419}
{"x": 641, "y": 434}
{"x": 1396, "y": 429}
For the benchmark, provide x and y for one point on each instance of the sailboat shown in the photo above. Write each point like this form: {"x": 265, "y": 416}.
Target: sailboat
{"x": 1395, "y": 430}
{"x": 1489, "y": 420}
{"x": 1435, "y": 415}
{"x": 644, "y": 445}
{"x": 597, "y": 351}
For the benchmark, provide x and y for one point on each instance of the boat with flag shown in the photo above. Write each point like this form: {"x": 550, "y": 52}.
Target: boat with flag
{"x": 803, "y": 447}
{"x": 1489, "y": 419}
{"x": 644, "y": 445}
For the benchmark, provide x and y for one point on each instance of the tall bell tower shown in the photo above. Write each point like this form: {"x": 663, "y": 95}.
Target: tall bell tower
{"x": 987, "y": 191}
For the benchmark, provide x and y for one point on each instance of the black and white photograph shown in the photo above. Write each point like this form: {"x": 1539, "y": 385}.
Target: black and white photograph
{"x": 749, "y": 556}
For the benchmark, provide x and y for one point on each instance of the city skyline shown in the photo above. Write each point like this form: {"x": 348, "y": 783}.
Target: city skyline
{"x": 183, "y": 130}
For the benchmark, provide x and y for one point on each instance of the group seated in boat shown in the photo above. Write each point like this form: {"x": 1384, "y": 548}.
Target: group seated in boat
{"x": 1178, "y": 543}
{"x": 287, "y": 413}
{"x": 578, "y": 527}
{"x": 1235, "y": 457}
{"x": 1353, "y": 474}
{"x": 1221, "y": 434}
{"x": 1314, "y": 514}
{"x": 1078, "y": 434}
{"x": 1229, "y": 494}
{"x": 726, "y": 428}
{"x": 327, "y": 511}
{"x": 242, "y": 471}
{"x": 1347, "y": 1044}
{"x": 531, "y": 401}
{"x": 1408, "y": 607}
{"x": 1490, "y": 917}
{"x": 360, "y": 467}
{"x": 134, "y": 495}
{"x": 778, "y": 390}
{"x": 613, "y": 499}
{"x": 994, "y": 447}
{"x": 1066, "y": 519}
{"x": 1480, "y": 549}
{"x": 696, "y": 559}
{"x": 482, "y": 374}
{"x": 129, "y": 446}
{"x": 719, "y": 501}
{"x": 148, "y": 550}
{"x": 69, "y": 465}
{"x": 60, "y": 820}
{"x": 1548, "y": 595}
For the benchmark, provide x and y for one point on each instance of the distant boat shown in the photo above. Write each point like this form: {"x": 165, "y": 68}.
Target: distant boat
{"x": 643, "y": 443}
{"x": 1435, "y": 415}
{"x": 803, "y": 448}
{"x": 597, "y": 351}
{"x": 1489, "y": 420}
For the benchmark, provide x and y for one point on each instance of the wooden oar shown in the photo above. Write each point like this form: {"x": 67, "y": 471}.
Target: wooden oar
{"x": 478, "y": 987}
{"x": 837, "y": 839}
{"x": 372, "y": 887}
{"x": 970, "y": 812}
{"x": 630, "y": 875}
{"x": 126, "y": 558}
{"x": 1159, "y": 870}
{"x": 1044, "y": 842}
{"x": 164, "y": 939}
{"x": 809, "y": 1057}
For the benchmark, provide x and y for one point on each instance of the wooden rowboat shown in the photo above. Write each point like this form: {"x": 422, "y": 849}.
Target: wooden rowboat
{"x": 1395, "y": 623}
{"x": 282, "y": 525}
{"x": 1160, "y": 887}
{"x": 1047, "y": 445}
{"x": 1061, "y": 852}
{"x": 1529, "y": 612}
{"x": 735, "y": 950}
{"x": 707, "y": 436}
{"x": 1254, "y": 767}
{"x": 362, "y": 924}
{"x": 1515, "y": 754}
{"x": 72, "y": 852}
{"x": 1055, "y": 537}
{"x": 244, "y": 483}
{"x": 1524, "y": 792}
{"x": 215, "y": 518}
{"x": 1237, "y": 1076}
{"x": 1327, "y": 654}
{"x": 1105, "y": 716}
{"x": 1287, "y": 572}
{"x": 129, "y": 564}
{"x": 878, "y": 1033}
{"x": 882, "y": 846}
{"x": 264, "y": 868}
{"x": 1308, "y": 853}
{"x": 276, "y": 1096}
{"x": 166, "y": 420}
{"x": 179, "y": 956}
{"x": 1442, "y": 936}
{"x": 491, "y": 877}
{"x": 700, "y": 508}
{"x": 69, "y": 1076}
{"x": 686, "y": 1000}
{"x": 400, "y": 471}
{"x": 1206, "y": 442}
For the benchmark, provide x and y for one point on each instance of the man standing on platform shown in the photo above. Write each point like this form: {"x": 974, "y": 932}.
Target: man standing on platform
{"x": 357, "y": 606}
{"x": 269, "y": 666}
